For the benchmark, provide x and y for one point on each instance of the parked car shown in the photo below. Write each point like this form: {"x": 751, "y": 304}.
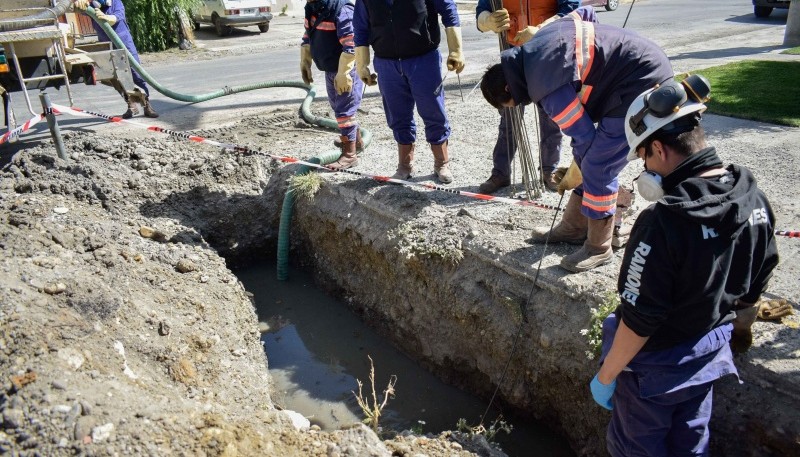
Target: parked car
{"x": 226, "y": 14}
{"x": 610, "y": 5}
{"x": 763, "y": 8}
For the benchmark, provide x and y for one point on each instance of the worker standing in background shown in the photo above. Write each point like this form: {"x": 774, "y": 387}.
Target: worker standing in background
{"x": 697, "y": 262}
{"x": 113, "y": 13}
{"x": 328, "y": 41}
{"x": 536, "y": 13}
{"x": 405, "y": 37}
{"x": 582, "y": 73}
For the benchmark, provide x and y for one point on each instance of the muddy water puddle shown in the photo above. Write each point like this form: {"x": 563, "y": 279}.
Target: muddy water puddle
{"x": 317, "y": 350}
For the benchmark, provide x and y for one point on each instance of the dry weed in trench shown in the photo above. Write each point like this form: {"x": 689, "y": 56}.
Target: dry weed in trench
{"x": 372, "y": 412}
{"x": 594, "y": 334}
{"x": 499, "y": 425}
{"x": 306, "y": 185}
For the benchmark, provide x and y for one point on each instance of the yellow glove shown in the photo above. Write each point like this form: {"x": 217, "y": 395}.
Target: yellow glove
{"x": 305, "y": 63}
{"x": 496, "y": 22}
{"x": 81, "y": 4}
{"x": 525, "y": 35}
{"x": 455, "y": 59}
{"x": 110, "y": 18}
{"x": 362, "y": 66}
{"x": 343, "y": 82}
{"x": 568, "y": 178}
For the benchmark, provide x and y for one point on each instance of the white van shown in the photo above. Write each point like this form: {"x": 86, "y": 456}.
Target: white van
{"x": 225, "y": 14}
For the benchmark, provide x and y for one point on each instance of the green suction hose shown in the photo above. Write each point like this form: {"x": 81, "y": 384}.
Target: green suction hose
{"x": 305, "y": 112}
{"x": 305, "y": 107}
{"x": 286, "y": 213}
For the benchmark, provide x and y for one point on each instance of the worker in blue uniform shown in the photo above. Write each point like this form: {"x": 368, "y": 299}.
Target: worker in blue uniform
{"x": 113, "y": 13}
{"x": 697, "y": 262}
{"x": 405, "y": 38}
{"x": 328, "y": 42}
{"x": 582, "y": 73}
{"x": 536, "y": 14}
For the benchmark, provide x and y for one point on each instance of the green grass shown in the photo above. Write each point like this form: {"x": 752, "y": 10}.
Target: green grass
{"x": 764, "y": 91}
{"x": 792, "y": 51}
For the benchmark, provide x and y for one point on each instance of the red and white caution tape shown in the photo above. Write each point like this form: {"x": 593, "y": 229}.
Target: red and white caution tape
{"x": 236, "y": 148}
{"x": 13, "y": 133}
{"x": 58, "y": 109}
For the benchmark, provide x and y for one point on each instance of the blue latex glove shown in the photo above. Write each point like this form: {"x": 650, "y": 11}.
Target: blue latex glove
{"x": 602, "y": 392}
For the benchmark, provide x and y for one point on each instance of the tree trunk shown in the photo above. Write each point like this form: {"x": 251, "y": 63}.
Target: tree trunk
{"x": 792, "y": 35}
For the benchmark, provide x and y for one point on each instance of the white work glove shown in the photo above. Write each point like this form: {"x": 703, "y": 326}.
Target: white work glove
{"x": 81, "y": 4}
{"x": 362, "y": 66}
{"x": 498, "y": 21}
{"x": 110, "y": 18}
{"x": 305, "y": 63}
{"x": 343, "y": 82}
{"x": 455, "y": 59}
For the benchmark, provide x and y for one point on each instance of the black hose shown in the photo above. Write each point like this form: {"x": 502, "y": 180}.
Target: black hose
{"x": 47, "y": 16}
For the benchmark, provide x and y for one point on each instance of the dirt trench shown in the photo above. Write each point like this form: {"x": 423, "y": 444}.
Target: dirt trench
{"x": 105, "y": 322}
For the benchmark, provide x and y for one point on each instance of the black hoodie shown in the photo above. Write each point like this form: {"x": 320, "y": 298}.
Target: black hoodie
{"x": 691, "y": 255}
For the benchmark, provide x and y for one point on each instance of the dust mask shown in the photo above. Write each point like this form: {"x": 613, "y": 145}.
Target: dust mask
{"x": 649, "y": 185}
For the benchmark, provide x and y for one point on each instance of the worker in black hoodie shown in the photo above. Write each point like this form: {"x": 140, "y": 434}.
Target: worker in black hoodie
{"x": 697, "y": 261}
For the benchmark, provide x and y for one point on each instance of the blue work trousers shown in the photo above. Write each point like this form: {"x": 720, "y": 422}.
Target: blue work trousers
{"x": 600, "y": 167}
{"x": 673, "y": 424}
{"x": 506, "y": 147}
{"x": 406, "y": 82}
{"x": 345, "y": 105}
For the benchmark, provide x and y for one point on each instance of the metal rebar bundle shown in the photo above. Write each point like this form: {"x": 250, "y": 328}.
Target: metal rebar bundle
{"x": 528, "y": 165}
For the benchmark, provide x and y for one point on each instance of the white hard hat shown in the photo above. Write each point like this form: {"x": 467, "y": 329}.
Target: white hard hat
{"x": 660, "y": 107}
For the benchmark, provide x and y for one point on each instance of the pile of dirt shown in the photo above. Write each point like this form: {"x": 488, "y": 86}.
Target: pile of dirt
{"x": 123, "y": 330}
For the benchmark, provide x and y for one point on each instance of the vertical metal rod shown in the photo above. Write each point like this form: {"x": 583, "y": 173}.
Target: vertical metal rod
{"x": 459, "y": 87}
{"x": 53, "y": 124}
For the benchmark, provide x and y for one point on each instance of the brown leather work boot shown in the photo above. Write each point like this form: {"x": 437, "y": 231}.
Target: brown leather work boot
{"x": 572, "y": 229}
{"x": 148, "y": 108}
{"x": 405, "y": 161}
{"x": 132, "y": 108}
{"x": 441, "y": 163}
{"x": 549, "y": 184}
{"x": 595, "y": 251}
{"x": 359, "y": 142}
{"x": 493, "y": 184}
{"x": 348, "y": 158}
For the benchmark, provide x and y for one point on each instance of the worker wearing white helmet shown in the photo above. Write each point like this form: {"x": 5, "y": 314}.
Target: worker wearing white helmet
{"x": 696, "y": 263}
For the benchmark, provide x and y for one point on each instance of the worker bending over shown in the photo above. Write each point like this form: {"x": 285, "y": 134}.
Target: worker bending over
{"x": 113, "y": 13}
{"x": 582, "y": 73}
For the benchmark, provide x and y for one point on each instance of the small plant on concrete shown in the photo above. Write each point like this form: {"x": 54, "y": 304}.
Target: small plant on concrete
{"x": 283, "y": 9}
{"x": 499, "y": 425}
{"x": 594, "y": 333}
{"x": 306, "y": 185}
{"x": 372, "y": 411}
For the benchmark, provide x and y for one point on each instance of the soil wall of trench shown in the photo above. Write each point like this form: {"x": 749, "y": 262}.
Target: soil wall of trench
{"x": 427, "y": 274}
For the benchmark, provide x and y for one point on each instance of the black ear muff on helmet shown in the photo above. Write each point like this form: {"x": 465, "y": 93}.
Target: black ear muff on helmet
{"x": 668, "y": 98}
